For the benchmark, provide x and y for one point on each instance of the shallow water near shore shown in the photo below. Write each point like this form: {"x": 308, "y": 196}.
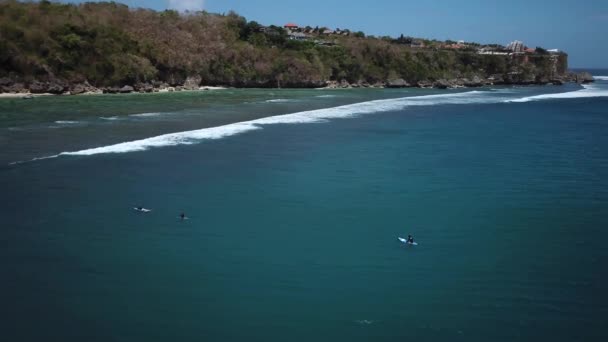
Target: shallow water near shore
{"x": 294, "y": 215}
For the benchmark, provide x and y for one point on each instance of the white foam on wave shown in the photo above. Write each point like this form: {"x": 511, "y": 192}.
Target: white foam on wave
{"x": 601, "y": 78}
{"x": 109, "y": 118}
{"x": 587, "y": 91}
{"x": 376, "y": 106}
{"x": 322, "y": 115}
{"x": 171, "y": 139}
{"x": 327, "y": 95}
{"x": 280, "y": 100}
{"x": 66, "y": 122}
{"x": 33, "y": 159}
{"x": 312, "y": 116}
{"x": 145, "y": 115}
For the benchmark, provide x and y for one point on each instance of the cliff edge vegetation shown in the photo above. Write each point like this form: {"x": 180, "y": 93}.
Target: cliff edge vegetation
{"x": 57, "y": 48}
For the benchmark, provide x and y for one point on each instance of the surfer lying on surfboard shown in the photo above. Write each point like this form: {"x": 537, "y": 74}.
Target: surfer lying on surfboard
{"x": 408, "y": 241}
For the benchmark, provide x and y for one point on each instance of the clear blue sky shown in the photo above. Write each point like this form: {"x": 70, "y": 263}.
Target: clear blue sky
{"x": 579, "y": 27}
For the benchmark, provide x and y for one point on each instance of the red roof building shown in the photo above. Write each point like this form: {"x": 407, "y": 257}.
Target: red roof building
{"x": 291, "y": 26}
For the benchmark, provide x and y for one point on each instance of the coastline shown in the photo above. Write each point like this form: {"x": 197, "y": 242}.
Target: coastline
{"x": 475, "y": 82}
{"x": 22, "y": 95}
{"x": 29, "y": 95}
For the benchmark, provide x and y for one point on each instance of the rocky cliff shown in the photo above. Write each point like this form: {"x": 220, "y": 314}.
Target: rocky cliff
{"x": 110, "y": 48}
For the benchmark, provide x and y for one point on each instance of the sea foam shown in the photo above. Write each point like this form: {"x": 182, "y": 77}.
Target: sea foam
{"x": 109, "y": 118}
{"x": 601, "y": 78}
{"x": 171, "y": 139}
{"x": 311, "y": 116}
{"x": 587, "y": 91}
{"x": 66, "y": 122}
{"x": 280, "y": 100}
{"x": 145, "y": 115}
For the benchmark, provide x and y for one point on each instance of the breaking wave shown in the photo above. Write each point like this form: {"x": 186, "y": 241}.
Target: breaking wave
{"x": 171, "y": 139}
{"x": 312, "y": 116}
{"x": 280, "y": 100}
{"x": 601, "y": 78}
{"x": 587, "y": 91}
{"x": 66, "y": 122}
{"x": 145, "y": 115}
{"x": 318, "y": 116}
{"x": 109, "y": 118}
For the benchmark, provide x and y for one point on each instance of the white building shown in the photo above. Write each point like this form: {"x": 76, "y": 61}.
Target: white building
{"x": 298, "y": 36}
{"x": 516, "y": 46}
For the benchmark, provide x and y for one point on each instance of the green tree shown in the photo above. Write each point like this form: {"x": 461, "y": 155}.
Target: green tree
{"x": 109, "y": 44}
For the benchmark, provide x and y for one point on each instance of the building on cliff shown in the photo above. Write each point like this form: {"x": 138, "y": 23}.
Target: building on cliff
{"x": 492, "y": 50}
{"x": 298, "y": 36}
{"x": 516, "y": 46}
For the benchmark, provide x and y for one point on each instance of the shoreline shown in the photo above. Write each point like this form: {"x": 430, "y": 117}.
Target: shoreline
{"x": 23, "y": 95}
{"x": 458, "y": 83}
{"x": 30, "y": 95}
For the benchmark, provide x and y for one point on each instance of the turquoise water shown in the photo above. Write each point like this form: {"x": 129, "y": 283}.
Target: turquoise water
{"x": 293, "y": 220}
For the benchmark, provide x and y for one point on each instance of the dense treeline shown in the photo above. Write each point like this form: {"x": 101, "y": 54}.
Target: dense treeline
{"x": 109, "y": 44}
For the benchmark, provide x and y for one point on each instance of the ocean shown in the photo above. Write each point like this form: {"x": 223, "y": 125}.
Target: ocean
{"x": 295, "y": 200}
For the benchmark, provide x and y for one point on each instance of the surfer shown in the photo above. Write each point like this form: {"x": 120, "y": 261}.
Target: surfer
{"x": 182, "y": 216}
{"x": 410, "y": 239}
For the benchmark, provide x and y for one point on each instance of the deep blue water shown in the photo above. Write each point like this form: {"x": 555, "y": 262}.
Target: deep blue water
{"x": 293, "y": 228}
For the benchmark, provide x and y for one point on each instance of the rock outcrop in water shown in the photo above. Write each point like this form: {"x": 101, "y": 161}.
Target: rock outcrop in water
{"x": 583, "y": 77}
